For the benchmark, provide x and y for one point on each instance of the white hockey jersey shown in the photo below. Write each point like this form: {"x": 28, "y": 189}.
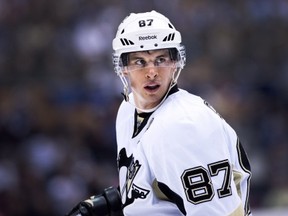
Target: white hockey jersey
{"x": 185, "y": 160}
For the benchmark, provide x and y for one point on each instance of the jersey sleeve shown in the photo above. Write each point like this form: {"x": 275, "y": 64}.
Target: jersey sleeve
{"x": 241, "y": 172}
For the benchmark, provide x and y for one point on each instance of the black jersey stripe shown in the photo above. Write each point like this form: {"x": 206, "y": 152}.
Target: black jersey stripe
{"x": 245, "y": 165}
{"x": 169, "y": 195}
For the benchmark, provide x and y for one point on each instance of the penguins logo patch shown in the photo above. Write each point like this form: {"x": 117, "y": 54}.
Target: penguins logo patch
{"x": 131, "y": 190}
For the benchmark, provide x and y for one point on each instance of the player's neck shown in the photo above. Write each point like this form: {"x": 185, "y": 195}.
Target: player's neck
{"x": 145, "y": 110}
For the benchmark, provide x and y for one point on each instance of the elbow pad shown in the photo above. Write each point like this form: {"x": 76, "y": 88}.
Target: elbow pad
{"x": 106, "y": 204}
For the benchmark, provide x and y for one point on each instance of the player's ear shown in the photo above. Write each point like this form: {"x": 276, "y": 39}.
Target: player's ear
{"x": 174, "y": 68}
{"x": 125, "y": 71}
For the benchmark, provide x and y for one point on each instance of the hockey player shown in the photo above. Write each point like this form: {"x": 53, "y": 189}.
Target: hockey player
{"x": 176, "y": 155}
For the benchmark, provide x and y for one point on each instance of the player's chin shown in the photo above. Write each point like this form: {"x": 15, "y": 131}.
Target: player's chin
{"x": 154, "y": 97}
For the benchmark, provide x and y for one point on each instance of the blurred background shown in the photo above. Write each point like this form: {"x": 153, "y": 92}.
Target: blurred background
{"x": 59, "y": 95}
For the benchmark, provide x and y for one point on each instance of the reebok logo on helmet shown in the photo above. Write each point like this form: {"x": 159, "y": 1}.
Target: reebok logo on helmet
{"x": 149, "y": 37}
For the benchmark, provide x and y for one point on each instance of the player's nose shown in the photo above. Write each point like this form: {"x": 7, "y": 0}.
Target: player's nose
{"x": 151, "y": 72}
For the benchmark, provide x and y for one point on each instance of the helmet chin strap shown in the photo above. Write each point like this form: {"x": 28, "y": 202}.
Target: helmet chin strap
{"x": 126, "y": 92}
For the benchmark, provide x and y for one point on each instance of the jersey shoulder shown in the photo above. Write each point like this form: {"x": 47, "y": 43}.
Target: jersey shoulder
{"x": 184, "y": 105}
{"x": 184, "y": 113}
{"x": 125, "y": 109}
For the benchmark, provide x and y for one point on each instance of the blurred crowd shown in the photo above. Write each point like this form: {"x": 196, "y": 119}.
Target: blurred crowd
{"x": 59, "y": 95}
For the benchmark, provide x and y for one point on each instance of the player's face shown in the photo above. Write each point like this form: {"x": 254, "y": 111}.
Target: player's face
{"x": 150, "y": 74}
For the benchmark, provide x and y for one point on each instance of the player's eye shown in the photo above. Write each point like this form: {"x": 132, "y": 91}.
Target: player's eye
{"x": 160, "y": 61}
{"x": 140, "y": 63}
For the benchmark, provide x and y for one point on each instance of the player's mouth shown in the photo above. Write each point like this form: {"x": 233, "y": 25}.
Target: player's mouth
{"x": 152, "y": 87}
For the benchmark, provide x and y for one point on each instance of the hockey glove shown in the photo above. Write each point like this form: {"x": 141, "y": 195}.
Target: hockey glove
{"x": 106, "y": 204}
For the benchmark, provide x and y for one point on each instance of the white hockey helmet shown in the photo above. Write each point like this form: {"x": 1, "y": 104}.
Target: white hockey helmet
{"x": 146, "y": 31}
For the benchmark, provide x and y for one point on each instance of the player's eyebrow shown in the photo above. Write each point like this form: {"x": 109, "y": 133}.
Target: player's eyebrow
{"x": 137, "y": 55}
{"x": 134, "y": 57}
